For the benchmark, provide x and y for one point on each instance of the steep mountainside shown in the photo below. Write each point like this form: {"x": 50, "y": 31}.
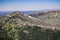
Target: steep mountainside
{"x": 49, "y": 17}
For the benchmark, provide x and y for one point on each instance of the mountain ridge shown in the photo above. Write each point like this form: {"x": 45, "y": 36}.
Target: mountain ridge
{"x": 21, "y": 19}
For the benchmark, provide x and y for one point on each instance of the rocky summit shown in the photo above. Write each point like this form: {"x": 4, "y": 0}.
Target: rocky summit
{"x": 20, "y": 19}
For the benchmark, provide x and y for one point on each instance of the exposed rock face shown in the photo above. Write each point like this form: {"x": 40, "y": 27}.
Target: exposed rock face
{"x": 22, "y": 19}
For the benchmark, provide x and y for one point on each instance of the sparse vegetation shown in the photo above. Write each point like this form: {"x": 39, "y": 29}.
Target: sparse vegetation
{"x": 28, "y": 33}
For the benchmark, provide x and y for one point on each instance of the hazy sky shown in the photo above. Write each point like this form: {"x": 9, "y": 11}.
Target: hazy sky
{"x": 28, "y": 4}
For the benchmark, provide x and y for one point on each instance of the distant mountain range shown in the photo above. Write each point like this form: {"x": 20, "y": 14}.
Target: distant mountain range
{"x": 4, "y": 13}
